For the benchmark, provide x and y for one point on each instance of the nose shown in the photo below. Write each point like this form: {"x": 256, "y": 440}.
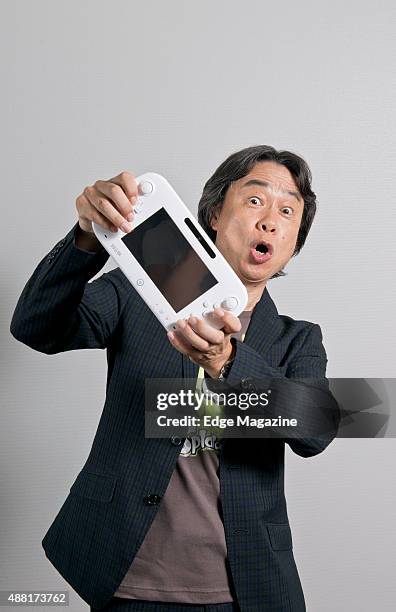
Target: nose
{"x": 266, "y": 222}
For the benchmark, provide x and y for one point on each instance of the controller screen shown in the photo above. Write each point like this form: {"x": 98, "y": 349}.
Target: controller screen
{"x": 169, "y": 260}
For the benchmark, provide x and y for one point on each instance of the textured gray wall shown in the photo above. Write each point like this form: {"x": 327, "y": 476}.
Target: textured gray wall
{"x": 91, "y": 88}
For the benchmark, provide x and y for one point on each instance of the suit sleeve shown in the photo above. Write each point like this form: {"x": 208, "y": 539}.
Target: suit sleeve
{"x": 299, "y": 390}
{"x": 59, "y": 310}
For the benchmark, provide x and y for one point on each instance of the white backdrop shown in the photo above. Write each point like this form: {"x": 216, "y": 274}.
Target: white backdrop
{"x": 91, "y": 88}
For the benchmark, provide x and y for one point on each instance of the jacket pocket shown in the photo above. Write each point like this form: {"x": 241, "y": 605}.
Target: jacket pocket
{"x": 94, "y": 485}
{"x": 280, "y": 536}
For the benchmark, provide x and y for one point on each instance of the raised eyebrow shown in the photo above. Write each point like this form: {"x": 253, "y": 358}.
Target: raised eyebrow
{"x": 265, "y": 184}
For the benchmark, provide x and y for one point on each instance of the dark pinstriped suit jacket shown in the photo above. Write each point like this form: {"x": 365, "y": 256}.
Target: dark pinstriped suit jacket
{"x": 103, "y": 521}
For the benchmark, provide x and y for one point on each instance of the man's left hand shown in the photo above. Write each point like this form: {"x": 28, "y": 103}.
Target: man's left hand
{"x": 206, "y": 346}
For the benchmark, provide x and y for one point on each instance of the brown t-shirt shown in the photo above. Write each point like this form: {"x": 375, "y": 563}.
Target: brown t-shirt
{"x": 183, "y": 556}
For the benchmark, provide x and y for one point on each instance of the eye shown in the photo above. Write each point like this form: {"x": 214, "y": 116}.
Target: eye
{"x": 287, "y": 210}
{"x": 255, "y": 200}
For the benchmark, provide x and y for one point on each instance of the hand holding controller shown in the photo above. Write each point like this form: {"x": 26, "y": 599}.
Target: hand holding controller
{"x": 201, "y": 343}
{"x": 104, "y": 203}
{"x": 108, "y": 203}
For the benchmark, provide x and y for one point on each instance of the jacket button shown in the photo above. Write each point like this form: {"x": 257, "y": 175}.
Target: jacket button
{"x": 176, "y": 441}
{"x": 247, "y": 384}
{"x": 152, "y": 500}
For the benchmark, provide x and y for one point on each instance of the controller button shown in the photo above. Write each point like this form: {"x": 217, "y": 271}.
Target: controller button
{"x": 145, "y": 187}
{"x": 229, "y": 303}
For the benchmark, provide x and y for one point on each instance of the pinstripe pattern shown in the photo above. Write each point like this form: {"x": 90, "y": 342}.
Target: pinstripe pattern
{"x": 102, "y": 523}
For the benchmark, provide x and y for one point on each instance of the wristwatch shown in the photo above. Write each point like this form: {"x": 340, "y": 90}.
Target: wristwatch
{"x": 225, "y": 370}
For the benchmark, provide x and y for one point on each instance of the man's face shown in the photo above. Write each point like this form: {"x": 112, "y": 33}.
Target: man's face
{"x": 258, "y": 224}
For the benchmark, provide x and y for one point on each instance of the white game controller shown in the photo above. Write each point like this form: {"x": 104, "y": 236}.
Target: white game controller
{"x": 169, "y": 259}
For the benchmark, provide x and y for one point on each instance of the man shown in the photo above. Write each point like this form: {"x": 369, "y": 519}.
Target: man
{"x": 173, "y": 524}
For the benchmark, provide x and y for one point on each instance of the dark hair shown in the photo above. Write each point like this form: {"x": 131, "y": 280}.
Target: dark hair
{"x": 238, "y": 165}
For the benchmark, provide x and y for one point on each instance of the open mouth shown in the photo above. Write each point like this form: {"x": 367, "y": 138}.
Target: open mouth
{"x": 261, "y": 251}
{"x": 264, "y": 248}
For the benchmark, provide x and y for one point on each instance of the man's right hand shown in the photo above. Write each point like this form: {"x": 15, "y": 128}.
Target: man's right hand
{"x": 108, "y": 203}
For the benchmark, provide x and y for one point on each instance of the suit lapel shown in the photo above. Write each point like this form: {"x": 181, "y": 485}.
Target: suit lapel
{"x": 265, "y": 325}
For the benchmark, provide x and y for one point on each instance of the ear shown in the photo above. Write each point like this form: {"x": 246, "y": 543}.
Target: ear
{"x": 215, "y": 218}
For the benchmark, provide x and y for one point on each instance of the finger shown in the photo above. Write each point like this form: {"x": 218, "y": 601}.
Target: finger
{"x": 88, "y": 213}
{"x": 106, "y": 209}
{"x": 205, "y": 330}
{"x": 116, "y": 195}
{"x": 180, "y": 345}
{"x": 128, "y": 184}
{"x": 187, "y": 334}
{"x": 231, "y": 323}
